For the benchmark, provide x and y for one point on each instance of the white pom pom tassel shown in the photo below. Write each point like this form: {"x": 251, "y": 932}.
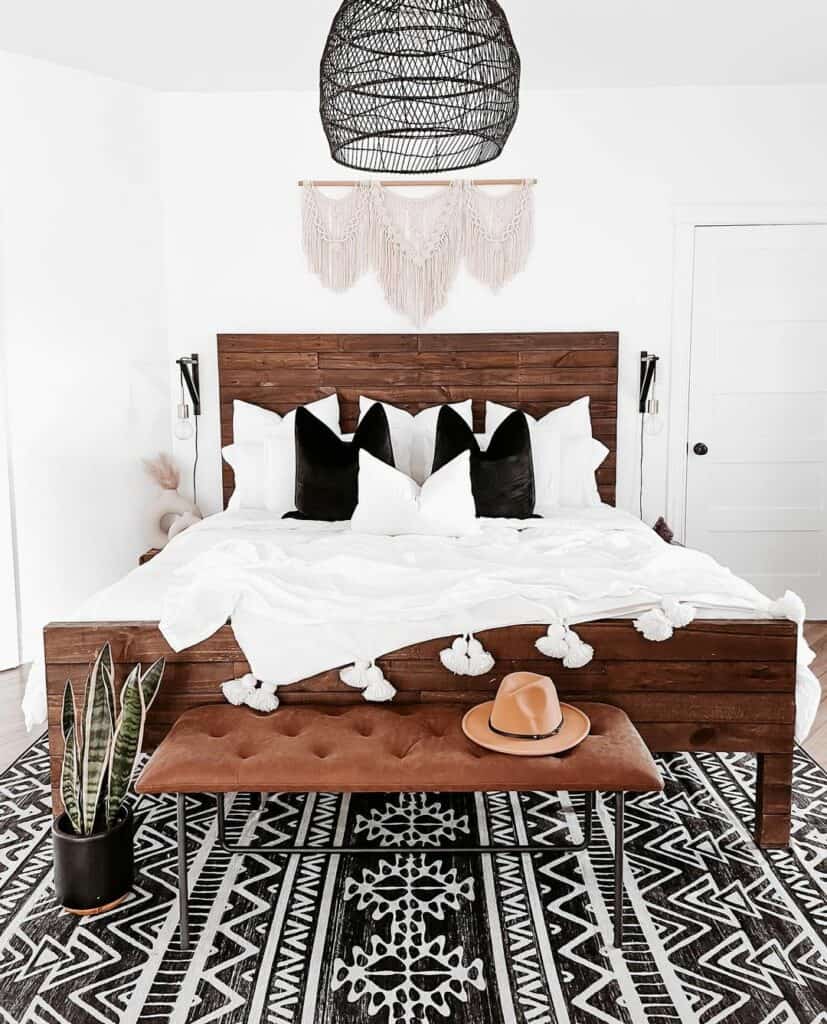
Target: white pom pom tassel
{"x": 579, "y": 653}
{"x": 679, "y": 614}
{"x": 354, "y": 675}
{"x": 562, "y": 642}
{"x": 378, "y": 689}
{"x": 790, "y": 606}
{"x": 555, "y": 643}
{"x": 263, "y": 698}
{"x": 455, "y": 658}
{"x": 654, "y": 625}
{"x": 236, "y": 691}
{"x": 479, "y": 660}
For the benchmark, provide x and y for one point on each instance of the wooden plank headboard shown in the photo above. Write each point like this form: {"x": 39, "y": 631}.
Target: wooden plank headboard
{"x": 535, "y": 372}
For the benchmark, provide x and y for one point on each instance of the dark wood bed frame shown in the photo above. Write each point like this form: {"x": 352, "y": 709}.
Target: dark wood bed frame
{"x": 722, "y": 685}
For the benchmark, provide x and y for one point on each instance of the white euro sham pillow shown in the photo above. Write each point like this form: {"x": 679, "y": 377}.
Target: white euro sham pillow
{"x": 392, "y": 504}
{"x": 263, "y": 453}
{"x": 413, "y": 437}
{"x": 255, "y": 423}
{"x": 563, "y": 452}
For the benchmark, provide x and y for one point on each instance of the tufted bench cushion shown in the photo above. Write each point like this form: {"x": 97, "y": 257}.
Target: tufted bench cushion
{"x": 369, "y": 748}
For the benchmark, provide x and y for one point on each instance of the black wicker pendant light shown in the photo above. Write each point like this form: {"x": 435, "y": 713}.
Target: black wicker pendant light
{"x": 413, "y": 86}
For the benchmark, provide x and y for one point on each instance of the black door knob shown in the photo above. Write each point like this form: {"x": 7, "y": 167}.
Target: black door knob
{"x": 700, "y": 448}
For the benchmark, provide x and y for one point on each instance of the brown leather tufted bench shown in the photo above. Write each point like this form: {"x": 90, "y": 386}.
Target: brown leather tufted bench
{"x": 376, "y": 748}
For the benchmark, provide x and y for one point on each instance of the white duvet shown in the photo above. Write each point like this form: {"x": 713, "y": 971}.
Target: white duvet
{"x": 304, "y": 597}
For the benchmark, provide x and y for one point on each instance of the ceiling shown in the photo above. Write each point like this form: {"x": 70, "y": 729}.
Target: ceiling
{"x": 228, "y": 45}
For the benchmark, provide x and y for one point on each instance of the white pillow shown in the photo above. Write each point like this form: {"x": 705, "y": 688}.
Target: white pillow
{"x": 576, "y": 485}
{"x": 564, "y": 453}
{"x": 572, "y": 420}
{"x": 391, "y": 503}
{"x": 248, "y": 462}
{"x": 253, "y": 423}
{"x": 263, "y": 453}
{"x": 413, "y": 437}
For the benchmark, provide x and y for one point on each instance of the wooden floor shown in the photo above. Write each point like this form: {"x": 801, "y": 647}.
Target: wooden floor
{"x": 14, "y": 738}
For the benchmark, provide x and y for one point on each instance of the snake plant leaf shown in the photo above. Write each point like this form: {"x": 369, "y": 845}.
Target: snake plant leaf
{"x": 108, "y": 670}
{"x": 98, "y": 706}
{"x": 126, "y": 745}
{"x": 131, "y": 681}
{"x": 67, "y": 713}
{"x": 151, "y": 681}
{"x": 69, "y": 781}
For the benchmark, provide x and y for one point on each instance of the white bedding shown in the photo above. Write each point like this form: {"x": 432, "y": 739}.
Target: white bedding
{"x": 305, "y": 597}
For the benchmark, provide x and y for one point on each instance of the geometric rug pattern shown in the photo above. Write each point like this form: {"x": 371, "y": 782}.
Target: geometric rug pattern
{"x": 716, "y": 930}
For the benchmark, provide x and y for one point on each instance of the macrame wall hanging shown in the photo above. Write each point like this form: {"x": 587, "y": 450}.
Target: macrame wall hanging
{"x": 415, "y": 244}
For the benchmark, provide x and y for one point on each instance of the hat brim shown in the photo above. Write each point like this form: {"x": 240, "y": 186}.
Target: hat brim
{"x": 574, "y": 730}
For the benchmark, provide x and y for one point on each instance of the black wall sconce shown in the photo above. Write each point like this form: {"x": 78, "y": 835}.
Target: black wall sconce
{"x": 186, "y": 425}
{"x": 648, "y": 377}
{"x": 191, "y": 385}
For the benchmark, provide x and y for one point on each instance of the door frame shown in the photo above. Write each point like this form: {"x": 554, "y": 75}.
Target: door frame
{"x": 687, "y": 219}
{"x": 10, "y": 641}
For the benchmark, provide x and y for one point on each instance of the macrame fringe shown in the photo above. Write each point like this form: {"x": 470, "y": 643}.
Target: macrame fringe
{"x": 499, "y": 234}
{"x": 368, "y": 677}
{"x": 562, "y": 642}
{"x": 416, "y": 244}
{"x": 466, "y": 657}
{"x": 336, "y": 233}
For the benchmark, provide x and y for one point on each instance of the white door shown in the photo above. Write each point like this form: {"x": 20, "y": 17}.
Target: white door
{"x": 9, "y": 653}
{"x": 758, "y": 404}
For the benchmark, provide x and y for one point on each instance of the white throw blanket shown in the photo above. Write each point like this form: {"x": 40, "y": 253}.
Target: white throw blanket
{"x": 307, "y": 597}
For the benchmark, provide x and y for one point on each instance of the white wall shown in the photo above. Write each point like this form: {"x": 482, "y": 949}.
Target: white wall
{"x": 612, "y": 165}
{"x": 81, "y": 314}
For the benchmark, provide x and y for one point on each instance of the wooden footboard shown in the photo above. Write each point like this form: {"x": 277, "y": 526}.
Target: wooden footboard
{"x": 717, "y": 685}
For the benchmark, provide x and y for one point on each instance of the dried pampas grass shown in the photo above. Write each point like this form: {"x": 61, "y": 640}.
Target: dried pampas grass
{"x": 163, "y": 471}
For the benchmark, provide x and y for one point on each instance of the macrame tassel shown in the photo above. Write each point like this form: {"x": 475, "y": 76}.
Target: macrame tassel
{"x": 790, "y": 606}
{"x": 498, "y": 233}
{"x": 466, "y": 657}
{"x": 236, "y": 691}
{"x": 336, "y": 233}
{"x": 368, "y": 677}
{"x": 658, "y": 624}
{"x": 562, "y": 642}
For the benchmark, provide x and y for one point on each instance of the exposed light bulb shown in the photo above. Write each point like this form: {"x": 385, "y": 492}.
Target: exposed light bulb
{"x": 653, "y": 423}
{"x": 183, "y": 425}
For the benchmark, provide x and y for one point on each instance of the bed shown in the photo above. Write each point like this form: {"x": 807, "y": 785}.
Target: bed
{"x": 719, "y": 684}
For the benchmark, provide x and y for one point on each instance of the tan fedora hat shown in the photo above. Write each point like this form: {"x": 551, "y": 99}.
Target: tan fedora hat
{"x": 526, "y": 718}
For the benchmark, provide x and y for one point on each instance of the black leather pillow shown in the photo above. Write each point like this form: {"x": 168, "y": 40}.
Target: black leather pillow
{"x": 327, "y": 468}
{"x": 502, "y": 477}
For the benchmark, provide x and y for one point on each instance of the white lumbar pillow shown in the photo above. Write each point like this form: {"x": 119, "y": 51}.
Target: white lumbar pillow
{"x": 564, "y": 453}
{"x": 392, "y": 503}
{"x": 263, "y": 453}
{"x": 413, "y": 437}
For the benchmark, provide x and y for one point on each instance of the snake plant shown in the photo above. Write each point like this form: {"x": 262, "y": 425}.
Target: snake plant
{"x": 101, "y": 745}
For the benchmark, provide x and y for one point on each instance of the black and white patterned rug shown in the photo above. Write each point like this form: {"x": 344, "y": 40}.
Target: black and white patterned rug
{"x": 716, "y": 929}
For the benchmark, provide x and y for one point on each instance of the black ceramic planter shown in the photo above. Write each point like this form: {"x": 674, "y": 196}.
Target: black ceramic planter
{"x": 92, "y": 872}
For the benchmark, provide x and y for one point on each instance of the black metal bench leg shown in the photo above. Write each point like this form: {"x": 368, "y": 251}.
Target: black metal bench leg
{"x": 620, "y": 808}
{"x": 183, "y": 891}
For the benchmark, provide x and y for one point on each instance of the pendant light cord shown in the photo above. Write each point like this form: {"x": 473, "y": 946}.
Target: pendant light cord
{"x": 195, "y": 465}
{"x": 640, "y": 498}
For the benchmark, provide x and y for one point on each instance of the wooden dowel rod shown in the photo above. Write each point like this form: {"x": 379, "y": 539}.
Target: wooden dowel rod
{"x": 418, "y": 182}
